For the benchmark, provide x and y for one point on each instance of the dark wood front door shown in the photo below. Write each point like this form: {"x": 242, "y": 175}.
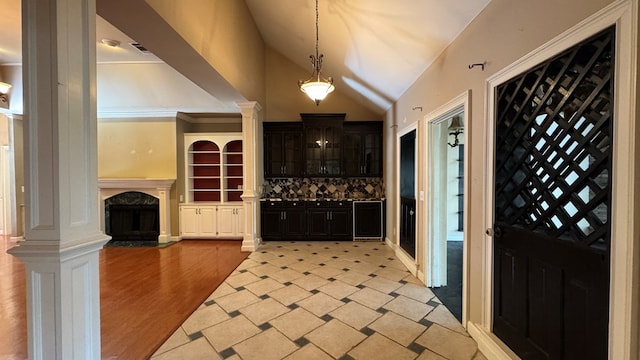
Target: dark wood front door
{"x": 408, "y": 193}
{"x": 552, "y": 200}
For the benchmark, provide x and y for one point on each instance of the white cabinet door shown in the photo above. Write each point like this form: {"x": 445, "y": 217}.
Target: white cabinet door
{"x": 197, "y": 221}
{"x": 239, "y": 223}
{"x": 225, "y": 219}
{"x": 229, "y": 221}
{"x": 189, "y": 221}
{"x": 207, "y": 221}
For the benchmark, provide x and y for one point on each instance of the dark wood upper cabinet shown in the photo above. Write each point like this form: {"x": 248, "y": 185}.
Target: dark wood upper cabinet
{"x": 362, "y": 149}
{"x": 282, "y": 150}
{"x": 323, "y": 144}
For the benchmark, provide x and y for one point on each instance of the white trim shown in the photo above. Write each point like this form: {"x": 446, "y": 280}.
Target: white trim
{"x": 623, "y": 320}
{"x": 158, "y": 188}
{"x": 407, "y": 260}
{"x": 457, "y": 105}
{"x": 103, "y": 115}
{"x": 488, "y": 344}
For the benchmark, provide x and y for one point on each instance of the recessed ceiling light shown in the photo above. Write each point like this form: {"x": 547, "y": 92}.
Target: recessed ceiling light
{"x": 111, "y": 42}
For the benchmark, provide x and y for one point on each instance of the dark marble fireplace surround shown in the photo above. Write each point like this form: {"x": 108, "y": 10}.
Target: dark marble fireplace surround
{"x": 132, "y": 216}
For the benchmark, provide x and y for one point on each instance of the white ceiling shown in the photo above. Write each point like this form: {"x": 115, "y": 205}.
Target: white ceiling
{"x": 374, "y": 50}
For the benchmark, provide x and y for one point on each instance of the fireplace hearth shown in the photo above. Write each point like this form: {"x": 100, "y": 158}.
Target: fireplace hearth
{"x": 132, "y": 216}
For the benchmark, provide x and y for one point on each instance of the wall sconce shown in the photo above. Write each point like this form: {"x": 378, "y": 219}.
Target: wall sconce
{"x": 455, "y": 129}
{"x": 4, "y": 89}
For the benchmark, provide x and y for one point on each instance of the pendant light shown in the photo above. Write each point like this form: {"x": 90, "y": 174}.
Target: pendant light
{"x": 455, "y": 129}
{"x": 317, "y": 87}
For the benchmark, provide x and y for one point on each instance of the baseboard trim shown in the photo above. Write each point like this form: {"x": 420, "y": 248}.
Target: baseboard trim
{"x": 390, "y": 243}
{"x": 251, "y": 245}
{"x": 488, "y": 344}
{"x": 407, "y": 260}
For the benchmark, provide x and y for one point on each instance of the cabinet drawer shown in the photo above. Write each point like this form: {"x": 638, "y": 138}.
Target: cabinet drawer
{"x": 319, "y": 204}
{"x": 294, "y": 204}
{"x": 341, "y": 204}
{"x": 270, "y": 204}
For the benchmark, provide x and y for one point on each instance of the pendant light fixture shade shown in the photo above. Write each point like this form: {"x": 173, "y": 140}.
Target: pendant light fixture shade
{"x": 317, "y": 87}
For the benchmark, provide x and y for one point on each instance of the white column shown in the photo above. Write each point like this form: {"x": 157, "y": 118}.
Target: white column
{"x": 250, "y": 149}
{"x": 62, "y": 236}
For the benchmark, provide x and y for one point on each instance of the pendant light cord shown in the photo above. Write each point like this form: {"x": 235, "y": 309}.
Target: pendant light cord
{"x": 317, "y": 37}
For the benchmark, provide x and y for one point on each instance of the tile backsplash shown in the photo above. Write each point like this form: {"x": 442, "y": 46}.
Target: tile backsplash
{"x": 317, "y": 188}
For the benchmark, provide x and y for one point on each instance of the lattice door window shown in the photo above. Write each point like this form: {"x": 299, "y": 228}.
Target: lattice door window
{"x": 553, "y": 138}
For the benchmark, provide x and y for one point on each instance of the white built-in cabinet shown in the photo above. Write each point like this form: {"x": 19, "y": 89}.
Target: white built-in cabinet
{"x": 197, "y": 221}
{"x": 230, "y": 221}
{"x": 213, "y": 186}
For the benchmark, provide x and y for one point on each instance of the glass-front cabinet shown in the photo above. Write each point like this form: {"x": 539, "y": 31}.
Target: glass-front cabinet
{"x": 323, "y": 145}
{"x": 362, "y": 149}
{"x": 282, "y": 150}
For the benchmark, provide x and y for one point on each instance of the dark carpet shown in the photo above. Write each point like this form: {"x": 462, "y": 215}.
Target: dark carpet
{"x": 451, "y": 295}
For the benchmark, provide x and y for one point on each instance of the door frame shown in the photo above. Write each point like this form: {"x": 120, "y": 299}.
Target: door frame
{"x": 433, "y": 249}
{"x": 623, "y": 291}
{"x": 408, "y": 261}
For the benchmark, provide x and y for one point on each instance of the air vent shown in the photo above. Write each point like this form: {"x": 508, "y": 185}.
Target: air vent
{"x": 140, "y": 48}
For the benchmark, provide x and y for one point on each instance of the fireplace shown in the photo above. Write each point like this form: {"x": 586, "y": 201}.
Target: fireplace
{"x": 144, "y": 210}
{"x": 132, "y": 216}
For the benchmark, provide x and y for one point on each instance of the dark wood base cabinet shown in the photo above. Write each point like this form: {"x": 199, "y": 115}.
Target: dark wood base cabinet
{"x": 330, "y": 220}
{"x": 283, "y": 220}
{"x": 306, "y": 220}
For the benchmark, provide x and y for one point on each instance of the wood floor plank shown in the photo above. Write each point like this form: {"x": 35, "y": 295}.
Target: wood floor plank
{"x": 13, "y": 316}
{"x": 145, "y": 294}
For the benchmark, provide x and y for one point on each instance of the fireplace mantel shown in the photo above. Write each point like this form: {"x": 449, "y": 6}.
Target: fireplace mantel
{"x": 159, "y": 188}
{"x": 135, "y": 183}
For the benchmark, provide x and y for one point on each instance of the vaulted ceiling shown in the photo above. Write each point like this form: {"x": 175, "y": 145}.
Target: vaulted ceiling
{"x": 374, "y": 49}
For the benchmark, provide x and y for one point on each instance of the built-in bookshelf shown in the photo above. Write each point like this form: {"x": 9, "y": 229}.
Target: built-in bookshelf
{"x": 213, "y": 167}
{"x": 233, "y": 170}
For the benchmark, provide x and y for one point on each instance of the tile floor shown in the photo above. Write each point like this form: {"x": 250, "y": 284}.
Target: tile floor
{"x": 321, "y": 300}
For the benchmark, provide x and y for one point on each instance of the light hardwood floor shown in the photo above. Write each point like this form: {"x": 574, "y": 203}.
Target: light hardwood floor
{"x": 145, "y": 294}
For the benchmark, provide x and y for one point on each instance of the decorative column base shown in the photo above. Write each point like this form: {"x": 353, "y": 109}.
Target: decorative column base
{"x": 250, "y": 241}
{"x": 63, "y": 295}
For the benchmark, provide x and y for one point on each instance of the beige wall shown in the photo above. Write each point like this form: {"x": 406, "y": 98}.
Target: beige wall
{"x": 135, "y": 148}
{"x": 12, "y": 74}
{"x": 504, "y": 31}
{"x": 285, "y": 101}
{"x": 222, "y": 32}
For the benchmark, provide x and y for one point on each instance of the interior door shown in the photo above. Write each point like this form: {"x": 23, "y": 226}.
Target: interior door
{"x": 408, "y": 193}
{"x": 552, "y": 201}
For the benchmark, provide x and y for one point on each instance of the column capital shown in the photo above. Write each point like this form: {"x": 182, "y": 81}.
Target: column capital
{"x": 249, "y": 105}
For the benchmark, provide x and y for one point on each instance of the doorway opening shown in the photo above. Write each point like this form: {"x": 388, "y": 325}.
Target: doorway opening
{"x": 445, "y": 215}
{"x": 447, "y": 210}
